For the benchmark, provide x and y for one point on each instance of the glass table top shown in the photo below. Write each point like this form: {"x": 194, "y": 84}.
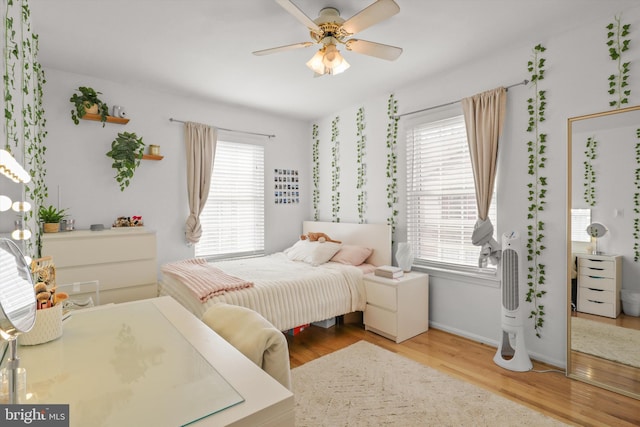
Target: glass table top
{"x": 122, "y": 364}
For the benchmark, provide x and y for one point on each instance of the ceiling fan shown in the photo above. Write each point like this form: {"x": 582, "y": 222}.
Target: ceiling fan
{"x": 329, "y": 29}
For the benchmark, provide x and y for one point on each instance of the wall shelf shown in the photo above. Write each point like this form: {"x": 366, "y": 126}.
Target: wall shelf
{"x": 110, "y": 119}
{"x": 151, "y": 157}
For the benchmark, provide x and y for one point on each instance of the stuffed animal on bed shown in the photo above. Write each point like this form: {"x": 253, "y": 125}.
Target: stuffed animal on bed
{"x": 318, "y": 237}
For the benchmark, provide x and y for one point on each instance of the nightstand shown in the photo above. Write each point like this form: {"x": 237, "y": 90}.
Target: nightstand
{"x": 397, "y": 309}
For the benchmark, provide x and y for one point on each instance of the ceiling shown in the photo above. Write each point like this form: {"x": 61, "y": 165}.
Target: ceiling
{"x": 202, "y": 48}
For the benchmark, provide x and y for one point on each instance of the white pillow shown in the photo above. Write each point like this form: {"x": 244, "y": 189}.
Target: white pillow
{"x": 314, "y": 253}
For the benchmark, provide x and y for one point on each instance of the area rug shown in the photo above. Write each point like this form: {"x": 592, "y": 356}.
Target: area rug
{"x": 366, "y": 385}
{"x": 606, "y": 341}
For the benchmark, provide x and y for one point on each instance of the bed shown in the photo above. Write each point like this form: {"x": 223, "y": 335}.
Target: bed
{"x": 290, "y": 292}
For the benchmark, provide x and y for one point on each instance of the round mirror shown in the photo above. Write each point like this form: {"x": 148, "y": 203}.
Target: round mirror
{"x": 596, "y": 230}
{"x": 17, "y": 296}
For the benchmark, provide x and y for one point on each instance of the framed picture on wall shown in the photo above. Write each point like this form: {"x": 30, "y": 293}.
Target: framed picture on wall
{"x": 286, "y": 188}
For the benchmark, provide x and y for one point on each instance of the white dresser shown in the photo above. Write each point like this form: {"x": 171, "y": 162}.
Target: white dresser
{"x": 397, "y": 309}
{"x": 122, "y": 261}
{"x": 599, "y": 283}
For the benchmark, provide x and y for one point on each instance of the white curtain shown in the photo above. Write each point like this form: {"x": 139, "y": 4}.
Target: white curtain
{"x": 484, "y": 116}
{"x": 201, "y": 143}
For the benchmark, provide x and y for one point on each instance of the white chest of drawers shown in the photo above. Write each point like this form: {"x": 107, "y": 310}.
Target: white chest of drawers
{"x": 123, "y": 261}
{"x": 599, "y": 283}
{"x": 397, "y": 309}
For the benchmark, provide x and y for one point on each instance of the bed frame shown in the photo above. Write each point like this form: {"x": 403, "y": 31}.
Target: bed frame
{"x": 375, "y": 236}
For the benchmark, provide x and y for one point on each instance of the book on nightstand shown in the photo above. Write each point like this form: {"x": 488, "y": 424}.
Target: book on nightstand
{"x": 389, "y": 271}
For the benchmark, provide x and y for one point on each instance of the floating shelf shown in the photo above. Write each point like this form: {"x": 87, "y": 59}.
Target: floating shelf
{"x": 152, "y": 157}
{"x": 110, "y": 119}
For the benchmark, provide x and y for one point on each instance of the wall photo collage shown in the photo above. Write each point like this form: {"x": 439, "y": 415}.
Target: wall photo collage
{"x": 286, "y": 186}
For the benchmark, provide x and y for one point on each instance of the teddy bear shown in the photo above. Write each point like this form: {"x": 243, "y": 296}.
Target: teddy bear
{"x": 318, "y": 237}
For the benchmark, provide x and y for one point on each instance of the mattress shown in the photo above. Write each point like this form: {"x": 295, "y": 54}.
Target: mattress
{"x": 287, "y": 293}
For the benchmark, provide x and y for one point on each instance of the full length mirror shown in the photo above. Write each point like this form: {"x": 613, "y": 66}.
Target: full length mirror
{"x": 603, "y": 215}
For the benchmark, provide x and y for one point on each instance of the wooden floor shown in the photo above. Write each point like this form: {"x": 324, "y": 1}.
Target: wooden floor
{"x": 549, "y": 391}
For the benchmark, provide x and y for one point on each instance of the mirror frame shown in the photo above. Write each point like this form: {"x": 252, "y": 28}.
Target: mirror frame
{"x": 569, "y": 371}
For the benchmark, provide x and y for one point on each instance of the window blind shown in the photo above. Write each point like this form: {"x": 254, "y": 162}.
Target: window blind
{"x": 233, "y": 217}
{"x": 580, "y": 220}
{"x": 441, "y": 203}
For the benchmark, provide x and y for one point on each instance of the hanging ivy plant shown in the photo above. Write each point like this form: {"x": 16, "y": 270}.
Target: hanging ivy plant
{"x": 335, "y": 170}
{"x": 11, "y": 59}
{"x": 536, "y": 149}
{"x": 392, "y": 162}
{"x": 589, "y": 173}
{"x": 636, "y": 204}
{"x": 316, "y": 172}
{"x": 362, "y": 166}
{"x": 618, "y": 83}
{"x": 126, "y": 152}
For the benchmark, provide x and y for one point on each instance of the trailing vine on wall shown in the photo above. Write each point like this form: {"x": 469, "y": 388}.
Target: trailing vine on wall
{"x": 636, "y": 204}
{"x": 23, "y": 110}
{"x": 392, "y": 162}
{"x": 536, "y": 149}
{"x": 316, "y": 172}
{"x": 361, "y": 152}
{"x": 589, "y": 173}
{"x": 335, "y": 170}
{"x": 618, "y": 84}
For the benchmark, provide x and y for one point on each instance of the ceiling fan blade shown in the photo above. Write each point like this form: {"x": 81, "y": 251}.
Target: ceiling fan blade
{"x": 282, "y": 48}
{"x": 299, "y": 15}
{"x": 372, "y": 14}
{"x": 379, "y": 50}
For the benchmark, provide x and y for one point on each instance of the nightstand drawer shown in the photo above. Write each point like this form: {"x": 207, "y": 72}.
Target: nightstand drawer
{"x": 381, "y": 295}
{"x": 596, "y": 295}
{"x": 599, "y": 308}
{"x": 381, "y": 319}
{"x": 597, "y": 282}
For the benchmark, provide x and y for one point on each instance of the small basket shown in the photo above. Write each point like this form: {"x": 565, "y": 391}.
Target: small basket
{"x": 47, "y": 328}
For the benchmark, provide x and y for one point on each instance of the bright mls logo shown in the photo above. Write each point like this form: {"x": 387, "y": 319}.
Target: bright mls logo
{"x": 34, "y": 415}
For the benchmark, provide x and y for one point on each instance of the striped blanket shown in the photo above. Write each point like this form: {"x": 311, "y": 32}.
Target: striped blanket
{"x": 203, "y": 279}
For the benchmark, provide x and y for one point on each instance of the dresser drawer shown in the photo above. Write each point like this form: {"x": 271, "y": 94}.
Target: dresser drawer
{"x": 381, "y": 319}
{"x": 597, "y": 282}
{"x": 596, "y": 295}
{"x": 604, "y": 268}
{"x": 600, "y": 309}
{"x": 381, "y": 295}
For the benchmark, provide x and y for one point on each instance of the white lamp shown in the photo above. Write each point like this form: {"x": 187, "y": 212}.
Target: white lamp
{"x": 5, "y": 203}
{"x": 328, "y": 60}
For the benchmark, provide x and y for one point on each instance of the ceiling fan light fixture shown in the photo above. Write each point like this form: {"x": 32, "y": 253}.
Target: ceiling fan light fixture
{"x": 316, "y": 62}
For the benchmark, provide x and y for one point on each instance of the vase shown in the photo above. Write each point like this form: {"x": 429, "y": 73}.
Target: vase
{"x": 51, "y": 227}
{"x": 404, "y": 256}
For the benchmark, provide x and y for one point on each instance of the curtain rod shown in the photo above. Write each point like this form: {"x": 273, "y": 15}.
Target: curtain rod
{"x": 229, "y": 130}
{"x": 397, "y": 116}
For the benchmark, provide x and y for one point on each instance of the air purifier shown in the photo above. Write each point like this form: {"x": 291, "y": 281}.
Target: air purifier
{"x": 512, "y": 352}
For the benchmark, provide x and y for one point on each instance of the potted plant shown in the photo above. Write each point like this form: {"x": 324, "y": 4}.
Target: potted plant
{"x": 126, "y": 151}
{"x": 51, "y": 218}
{"x": 87, "y": 101}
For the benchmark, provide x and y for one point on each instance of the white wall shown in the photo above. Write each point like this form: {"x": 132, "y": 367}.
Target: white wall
{"x": 577, "y": 68}
{"x": 78, "y": 167}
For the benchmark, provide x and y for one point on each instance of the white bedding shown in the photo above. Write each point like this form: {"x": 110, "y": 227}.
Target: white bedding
{"x": 287, "y": 293}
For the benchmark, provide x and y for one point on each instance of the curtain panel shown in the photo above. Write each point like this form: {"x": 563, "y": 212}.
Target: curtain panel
{"x": 201, "y": 143}
{"x": 484, "y": 116}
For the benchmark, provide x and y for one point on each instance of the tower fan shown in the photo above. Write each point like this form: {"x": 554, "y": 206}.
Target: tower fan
{"x": 512, "y": 352}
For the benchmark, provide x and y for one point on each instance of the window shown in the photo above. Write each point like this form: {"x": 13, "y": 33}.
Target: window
{"x": 580, "y": 220}
{"x": 233, "y": 217}
{"x": 441, "y": 200}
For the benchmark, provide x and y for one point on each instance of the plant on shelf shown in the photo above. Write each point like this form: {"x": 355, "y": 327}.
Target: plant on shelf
{"x": 51, "y": 217}
{"x": 126, "y": 151}
{"x": 84, "y": 101}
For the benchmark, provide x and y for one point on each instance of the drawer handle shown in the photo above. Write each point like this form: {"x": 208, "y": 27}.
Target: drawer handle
{"x": 597, "y": 290}
{"x": 595, "y": 302}
{"x": 596, "y": 277}
{"x": 595, "y": 260}
{"x": 595, "y": 268}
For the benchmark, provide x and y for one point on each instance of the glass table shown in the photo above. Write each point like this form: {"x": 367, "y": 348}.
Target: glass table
{"x": 141, "y": 363}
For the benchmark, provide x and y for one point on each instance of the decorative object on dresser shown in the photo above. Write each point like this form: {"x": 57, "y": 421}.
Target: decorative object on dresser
{"x": 123, "y": 262}
{"x": 596, "y": 230}
{"x": 389, "y": 271}
{"x": 397, "y": 309}
{"x": 51, "y": 217}
{"x": 599, "y": 283}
